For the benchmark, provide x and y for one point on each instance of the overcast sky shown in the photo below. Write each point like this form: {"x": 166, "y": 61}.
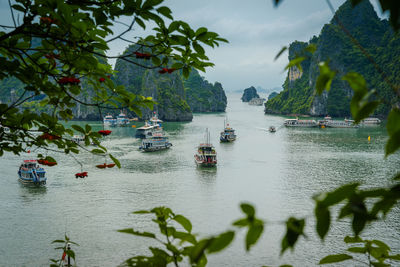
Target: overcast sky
{"x": 256, "y": 31}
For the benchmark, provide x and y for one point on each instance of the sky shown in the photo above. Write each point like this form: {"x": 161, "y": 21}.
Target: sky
{"x": 255, "y": 29}
{"x": 256, "y": 32}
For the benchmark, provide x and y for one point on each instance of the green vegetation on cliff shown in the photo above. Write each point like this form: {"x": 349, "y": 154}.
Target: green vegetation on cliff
{"x": 203, "y": 96}
{"x": 333, "y": 45}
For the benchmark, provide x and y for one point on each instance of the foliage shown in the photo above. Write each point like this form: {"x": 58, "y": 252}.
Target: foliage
{"x": 56, "y": 50}
{"x": 64, "y": 245}
{"x": 378, "y": 250}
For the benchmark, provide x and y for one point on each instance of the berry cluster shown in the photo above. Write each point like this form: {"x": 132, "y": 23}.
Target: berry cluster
{"x": 46, "y": 162}
{"x": 47, "y": 136}
{"x": 104, "y": 132}
{"x": 69, "y": 80}
{"x": 142, "y": 55}
{"x": 165, "y": 70}
{"x": 81, "y": 175}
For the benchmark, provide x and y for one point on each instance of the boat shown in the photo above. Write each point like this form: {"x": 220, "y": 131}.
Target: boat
{"x": 79, "y": 139}
{"x": 206, "y": 155}
{"x": 256, "y": 101}
{"x": 149, "y": 127}
{"x": 371, "y": 121}
{"x": 108, "y": 120}
{"x": 329, "y": 123}
{"x": 122, "y": 119}
{"x": 156, "y": 142}
{"x": 272, "y": 129}
{"x": 300, "y": 123}
{"x": 228, "y": 135}
{"x": 31, "y": 173}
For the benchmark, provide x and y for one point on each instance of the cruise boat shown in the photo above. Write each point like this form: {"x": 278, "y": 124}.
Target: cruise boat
{"x": 329, "y": 123}
{"x": 228, "y": 135}
{"x": 149, "y": 127}
{"x": 122, "y": 119}
{"x": 300, "y": 123}
{"x": 156, "y": 142}
{"x": 206, "y": 155}
{"x": 31, "y": 173}
{"x": 108, "y": 120}
{"x": 371, "y": 121}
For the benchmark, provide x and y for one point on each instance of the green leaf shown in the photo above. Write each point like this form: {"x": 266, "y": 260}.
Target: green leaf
{"x": 116, "y": 161}
{"x": 221, "y": 242}
{"x": 241, "y": 222}
{"x": 253, "y": 235}
{"x": 393, "y": 128}
{"x": 133, "y": 232}
{"x": 361, "y": 250}
{"x": 142, "y": 212}
{"x": 97, "y": 151}
{"x": 295, "y": 62}
{"x": 184, "y": 222}
{"x": 323, "y": 216}
{"x": 335, "y": 258}
{"x": 165, "y": 11}
{"x": 78, "y": 128}
{"x": 325, "y": 77}
{"x": 350, "y": 240}
{"x": 248, "y": 209}
{"x": 280, "y": 52}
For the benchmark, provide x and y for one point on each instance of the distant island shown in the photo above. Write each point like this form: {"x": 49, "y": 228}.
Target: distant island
{"x": 375, "y": 35}
{"x": 249, "y": 94}
{"x": 177, "y": 98}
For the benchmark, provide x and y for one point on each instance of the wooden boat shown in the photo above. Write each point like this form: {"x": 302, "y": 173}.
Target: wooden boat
{"x": 228, "y": 135}
{"x": 206, "y": 155}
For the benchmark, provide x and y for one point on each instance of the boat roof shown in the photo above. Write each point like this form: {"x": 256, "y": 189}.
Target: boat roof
{"x": 30, "y": 161}
{"x": 205, "y": 145}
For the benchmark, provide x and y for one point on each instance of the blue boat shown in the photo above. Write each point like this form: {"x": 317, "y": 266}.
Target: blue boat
{"x": 31, "y": 173}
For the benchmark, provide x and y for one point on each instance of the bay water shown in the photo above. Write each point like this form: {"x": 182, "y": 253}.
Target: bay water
{"x": 277, "y": 172}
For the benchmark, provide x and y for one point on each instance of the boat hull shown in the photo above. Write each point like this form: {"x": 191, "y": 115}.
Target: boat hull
{"x": 31, "y": 181}
{"x": 155, "y": 148}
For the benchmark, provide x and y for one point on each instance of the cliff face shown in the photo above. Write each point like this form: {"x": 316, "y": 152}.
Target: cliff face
{"x": 203, "y": 96}
{"x": 166, "y": 89}
{"x": 249, "y": 94}
{"x": 333, "y": 45}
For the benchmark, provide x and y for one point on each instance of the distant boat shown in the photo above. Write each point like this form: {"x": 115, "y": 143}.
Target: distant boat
{"x": 300, "y": 123}
{"x": 329, "y": 123}
{"x": 228, "y": 135}
{"x": 156, "y": 142}
{"x": 122, "y": 119}
{"x": 206, "y": 155}
{"x": 148, "y": 128}
{"x": 31, "y": 173}
{"x": 108, "y": 120}
{"x": 79, "y": 139}
{"x": 272, "y": 129}
{"x": 256, "y": 101}
{"x": 371, "y": 121}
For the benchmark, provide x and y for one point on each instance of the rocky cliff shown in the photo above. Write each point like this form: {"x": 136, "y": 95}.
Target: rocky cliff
{"x": 166, "y": 89}
{"x": 203, "y": 96}
{"x": 333, "y": 45}
{"x": 249, "y": 94}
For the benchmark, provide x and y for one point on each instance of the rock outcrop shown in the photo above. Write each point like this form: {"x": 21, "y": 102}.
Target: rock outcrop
{"x": 203, "y": 96}
{"x": 249, "y": 94}
{"x": 333, "y": 45}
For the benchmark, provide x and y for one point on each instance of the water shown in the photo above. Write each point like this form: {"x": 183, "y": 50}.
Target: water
{"x": 277, "y": 172}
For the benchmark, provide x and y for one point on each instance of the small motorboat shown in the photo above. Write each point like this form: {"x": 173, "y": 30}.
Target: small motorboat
{"x": 272, "y": 129}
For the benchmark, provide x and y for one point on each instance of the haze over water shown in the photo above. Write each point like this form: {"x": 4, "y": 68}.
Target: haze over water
{"x": 277, "y": 172}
